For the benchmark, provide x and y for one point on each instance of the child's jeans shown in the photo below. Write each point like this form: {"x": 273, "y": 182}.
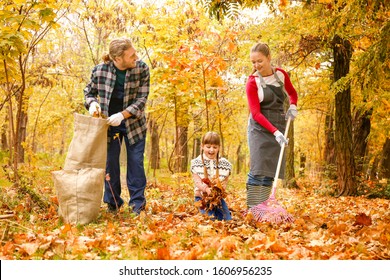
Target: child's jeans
{"x": 220, "y": 213}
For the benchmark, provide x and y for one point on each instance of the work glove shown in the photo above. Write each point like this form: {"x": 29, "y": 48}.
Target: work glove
{"x": 292, "y": 112}
{"x": 94, "y": 108}
{"x": 115, "y": 119}
{"x": 280, "y": 138}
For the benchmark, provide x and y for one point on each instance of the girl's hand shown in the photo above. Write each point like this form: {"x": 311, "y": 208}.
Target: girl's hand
{"x": 206, "y": 188}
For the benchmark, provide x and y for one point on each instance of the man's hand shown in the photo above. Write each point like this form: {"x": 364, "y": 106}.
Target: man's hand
{"x": 115, "y": 119}
{"x": 94, "y": 108}
{"x": 280, "y": 138}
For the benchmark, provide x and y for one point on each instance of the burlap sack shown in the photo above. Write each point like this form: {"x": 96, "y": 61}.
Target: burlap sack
{"x": 79, "y": 194}
{"x": 89, "y": 143}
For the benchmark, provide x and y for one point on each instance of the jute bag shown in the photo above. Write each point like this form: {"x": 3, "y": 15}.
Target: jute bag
{"x": 79, "y": 194}
{"x": 80, "y": 185}
{"x": 89, "y": 144}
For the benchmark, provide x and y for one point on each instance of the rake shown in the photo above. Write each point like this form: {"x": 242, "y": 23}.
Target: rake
{"x": 270, "y": 210}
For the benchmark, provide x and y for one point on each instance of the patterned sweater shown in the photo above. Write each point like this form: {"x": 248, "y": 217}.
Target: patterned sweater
{"x": 197, "y": 171}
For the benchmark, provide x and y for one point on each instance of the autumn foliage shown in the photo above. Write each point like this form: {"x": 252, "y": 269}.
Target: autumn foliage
{"x": 198, "y": 67}
{"x": 172, "y": 228}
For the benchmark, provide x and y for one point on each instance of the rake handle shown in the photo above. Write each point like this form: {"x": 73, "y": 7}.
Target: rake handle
{"x": 275, "y": 182}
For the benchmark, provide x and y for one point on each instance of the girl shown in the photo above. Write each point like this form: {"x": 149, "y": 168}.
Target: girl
{"x": 267, "y": 90}
{"x": 209, "y": 167}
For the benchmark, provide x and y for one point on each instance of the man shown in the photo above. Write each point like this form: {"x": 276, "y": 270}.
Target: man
{"x": 119, "y": 88}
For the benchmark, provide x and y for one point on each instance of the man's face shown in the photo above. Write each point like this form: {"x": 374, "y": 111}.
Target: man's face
{"x": 127, "y": 60}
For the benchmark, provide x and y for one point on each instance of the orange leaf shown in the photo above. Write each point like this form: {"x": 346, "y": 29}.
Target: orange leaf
{"x": 163, "y": 254}
{"x": 66, "y": 229}
{"x": 278, "y": 247}
{"x": 8, "y": 248}
{"x": 170, "y": 218}
{"x": 362, "y": 220}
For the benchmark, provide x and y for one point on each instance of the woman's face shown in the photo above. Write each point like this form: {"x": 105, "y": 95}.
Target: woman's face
{"x": 261, "y": 63}
{"x": 210, "y": 150}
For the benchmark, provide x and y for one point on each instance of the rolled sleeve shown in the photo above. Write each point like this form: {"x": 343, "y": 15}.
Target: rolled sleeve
{"x": 90, "y": 91}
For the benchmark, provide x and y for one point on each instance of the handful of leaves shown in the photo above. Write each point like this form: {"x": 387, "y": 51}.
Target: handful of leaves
{"x": 98, "y": 114}
{"x": 209, "y": 201}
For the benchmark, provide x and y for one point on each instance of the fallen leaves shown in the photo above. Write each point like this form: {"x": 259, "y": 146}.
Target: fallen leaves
{"x": 172, "y": 228}
{"x": 214, "y": 198}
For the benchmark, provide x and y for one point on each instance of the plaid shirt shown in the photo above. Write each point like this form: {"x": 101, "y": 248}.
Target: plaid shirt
{"x": 137, "y": 84}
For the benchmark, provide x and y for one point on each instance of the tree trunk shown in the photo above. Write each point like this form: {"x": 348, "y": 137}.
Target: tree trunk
{"x": 154, "y": 145}
{"x": 290, "y": 181}
{"x": 342, "y": 52}
{"x": 362, "y": 127}
{"x": 196, "y": 147}
{"x": 372, "y": 172}
{"x": 181, "y": 149}
{"x": 329, "y": 150}
{"x": 21, "y": 134}
{"x": 302, "y": 164}
{"x": 239, "y": 160}
{"x": 385, "y": 161}
{"x": 4, "y": 129}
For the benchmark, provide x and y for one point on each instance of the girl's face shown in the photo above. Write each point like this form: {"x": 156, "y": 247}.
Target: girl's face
{"x": 261, "y": 63}
{"x": 210, "y": 150}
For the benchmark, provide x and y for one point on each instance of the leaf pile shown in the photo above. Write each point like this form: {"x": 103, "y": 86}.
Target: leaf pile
{"x": 171, "y": 228}
{"x": 212, "y": 200}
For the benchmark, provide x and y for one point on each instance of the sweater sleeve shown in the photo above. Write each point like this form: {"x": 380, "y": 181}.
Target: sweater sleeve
{"x": 254, "y": 105}
{"x": 199, "y": 183}
{"x": 292, "y": 93}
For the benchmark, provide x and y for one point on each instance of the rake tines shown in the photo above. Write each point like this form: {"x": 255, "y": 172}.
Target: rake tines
{"x": 271, "y": 211}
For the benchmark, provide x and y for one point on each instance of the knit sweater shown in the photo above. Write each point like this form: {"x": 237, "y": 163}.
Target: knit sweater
{"x": 197, "y": 171}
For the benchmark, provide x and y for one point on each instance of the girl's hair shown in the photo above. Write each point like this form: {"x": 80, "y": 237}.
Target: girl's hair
{"x": 211, "y": 138}
{"x": 261, "y": 48}
{"x": 116, "y": 49}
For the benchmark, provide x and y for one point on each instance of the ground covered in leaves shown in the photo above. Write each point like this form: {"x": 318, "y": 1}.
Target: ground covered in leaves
{"x": 325, "y": 227}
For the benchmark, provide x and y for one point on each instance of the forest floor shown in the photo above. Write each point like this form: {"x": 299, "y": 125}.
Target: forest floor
{"x": 325, "y": 227}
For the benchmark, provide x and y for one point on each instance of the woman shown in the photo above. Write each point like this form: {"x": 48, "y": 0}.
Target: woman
{"x": 267, "y": 90}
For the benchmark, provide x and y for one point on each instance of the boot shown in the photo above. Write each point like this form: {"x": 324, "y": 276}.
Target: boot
{"x": 256, "y": 194}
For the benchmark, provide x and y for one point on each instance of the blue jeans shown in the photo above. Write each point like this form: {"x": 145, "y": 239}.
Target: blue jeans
{"x": 135, "y": 177}
{"x": 257, "y": 180}
{"x": 220, "y": 213}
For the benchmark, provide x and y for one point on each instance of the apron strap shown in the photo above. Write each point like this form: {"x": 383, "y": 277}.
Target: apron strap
{"x": 262, "y": 82}
{"x": 277, "y": 78}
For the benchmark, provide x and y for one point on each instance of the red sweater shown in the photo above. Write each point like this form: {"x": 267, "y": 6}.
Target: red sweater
{"x": 254, "y": 102}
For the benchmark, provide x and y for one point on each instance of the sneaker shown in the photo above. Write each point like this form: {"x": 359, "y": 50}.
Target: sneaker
{"x": 137, "y": 211}
{"x": 112, "y": 209}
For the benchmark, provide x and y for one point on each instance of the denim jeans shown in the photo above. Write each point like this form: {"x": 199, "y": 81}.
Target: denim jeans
{"x": 135, "y": 177}
{"x": 220, "y": 213}
{"x": 257, "y": 180}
